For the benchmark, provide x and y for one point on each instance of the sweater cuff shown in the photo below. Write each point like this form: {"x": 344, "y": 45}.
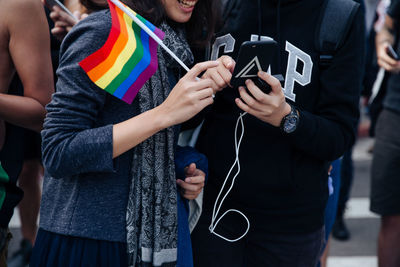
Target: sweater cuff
{"x": 305, "y": 129}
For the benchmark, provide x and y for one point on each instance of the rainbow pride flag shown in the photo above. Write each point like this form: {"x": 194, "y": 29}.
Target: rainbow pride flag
{"x": 127, "y": 59}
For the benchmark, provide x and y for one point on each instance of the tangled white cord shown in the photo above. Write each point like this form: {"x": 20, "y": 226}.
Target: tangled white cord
{"x": 214, "y": 220}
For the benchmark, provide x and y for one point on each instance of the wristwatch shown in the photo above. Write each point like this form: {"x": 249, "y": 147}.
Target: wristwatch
{"x": 289, "y": 122}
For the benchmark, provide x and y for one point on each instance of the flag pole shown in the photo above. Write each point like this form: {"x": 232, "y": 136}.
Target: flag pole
{"x": 148, "y": 31}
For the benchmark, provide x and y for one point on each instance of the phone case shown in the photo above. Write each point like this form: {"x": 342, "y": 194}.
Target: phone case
{"x": 253, "y": 56}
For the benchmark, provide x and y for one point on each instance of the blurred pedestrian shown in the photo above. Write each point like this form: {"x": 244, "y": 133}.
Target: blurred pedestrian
{"x": 385, "y": 182}
{"x": 25, "y": 55}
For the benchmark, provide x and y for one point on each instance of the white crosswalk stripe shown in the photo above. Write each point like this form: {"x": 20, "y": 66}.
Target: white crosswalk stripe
{"x": 366, "y": 261}
{"x": 358, "y": 208}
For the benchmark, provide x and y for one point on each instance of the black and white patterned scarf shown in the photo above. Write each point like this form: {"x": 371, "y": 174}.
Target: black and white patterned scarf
{"x": 152, "y": 222}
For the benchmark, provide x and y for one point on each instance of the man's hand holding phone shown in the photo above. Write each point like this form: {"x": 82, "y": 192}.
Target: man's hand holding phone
{"x": 387, "y": 57}
{"x": 270, "y": 108}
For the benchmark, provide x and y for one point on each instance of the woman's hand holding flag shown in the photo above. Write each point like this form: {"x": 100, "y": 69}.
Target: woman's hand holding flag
{"x": 189, "y": 96}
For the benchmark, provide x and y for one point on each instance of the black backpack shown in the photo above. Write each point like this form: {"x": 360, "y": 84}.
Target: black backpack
{"x": 335, "y": 23}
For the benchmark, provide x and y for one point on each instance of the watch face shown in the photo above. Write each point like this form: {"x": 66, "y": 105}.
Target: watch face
{"x": 290, "y": 123}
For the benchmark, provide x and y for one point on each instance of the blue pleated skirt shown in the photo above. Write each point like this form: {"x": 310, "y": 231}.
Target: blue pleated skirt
{"x": 55, "y": 250}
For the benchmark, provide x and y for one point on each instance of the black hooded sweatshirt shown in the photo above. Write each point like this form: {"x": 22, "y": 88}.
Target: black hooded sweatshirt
{"x": 282, "y": 185}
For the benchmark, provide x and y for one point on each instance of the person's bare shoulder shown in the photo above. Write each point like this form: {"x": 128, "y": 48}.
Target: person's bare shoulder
{"x": 29, "y": 47}
{"x": 24, "y": 6}
{"x": 21, "y": 13}
{"x": 4, "y": 16}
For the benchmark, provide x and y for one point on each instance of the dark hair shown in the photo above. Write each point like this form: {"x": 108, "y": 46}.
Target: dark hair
{"x": 94, "y": 5}
{"x": 199, "y": 29}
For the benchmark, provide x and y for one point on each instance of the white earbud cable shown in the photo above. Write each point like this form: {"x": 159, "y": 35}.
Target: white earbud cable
{"x": 214, "y": 220}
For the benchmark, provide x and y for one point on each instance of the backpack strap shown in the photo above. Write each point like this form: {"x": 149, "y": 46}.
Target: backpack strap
{"x": 335, "y": 22}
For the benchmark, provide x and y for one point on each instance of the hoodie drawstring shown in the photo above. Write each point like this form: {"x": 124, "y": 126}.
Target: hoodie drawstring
{"x": 259, "y": 20}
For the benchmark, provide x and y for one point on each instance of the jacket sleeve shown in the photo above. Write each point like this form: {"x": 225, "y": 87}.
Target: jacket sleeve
{"x": 186, "y": 155}
{"x": 330, "y": 130}
{"x": 72, "y": 141}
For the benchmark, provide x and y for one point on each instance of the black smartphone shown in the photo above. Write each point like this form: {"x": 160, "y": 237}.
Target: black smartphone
{"x": 254, "y": 56}
{"x": 392, "y": 53}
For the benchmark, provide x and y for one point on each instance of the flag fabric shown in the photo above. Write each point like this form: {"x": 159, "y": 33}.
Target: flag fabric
{"x": 127, "y": 59}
